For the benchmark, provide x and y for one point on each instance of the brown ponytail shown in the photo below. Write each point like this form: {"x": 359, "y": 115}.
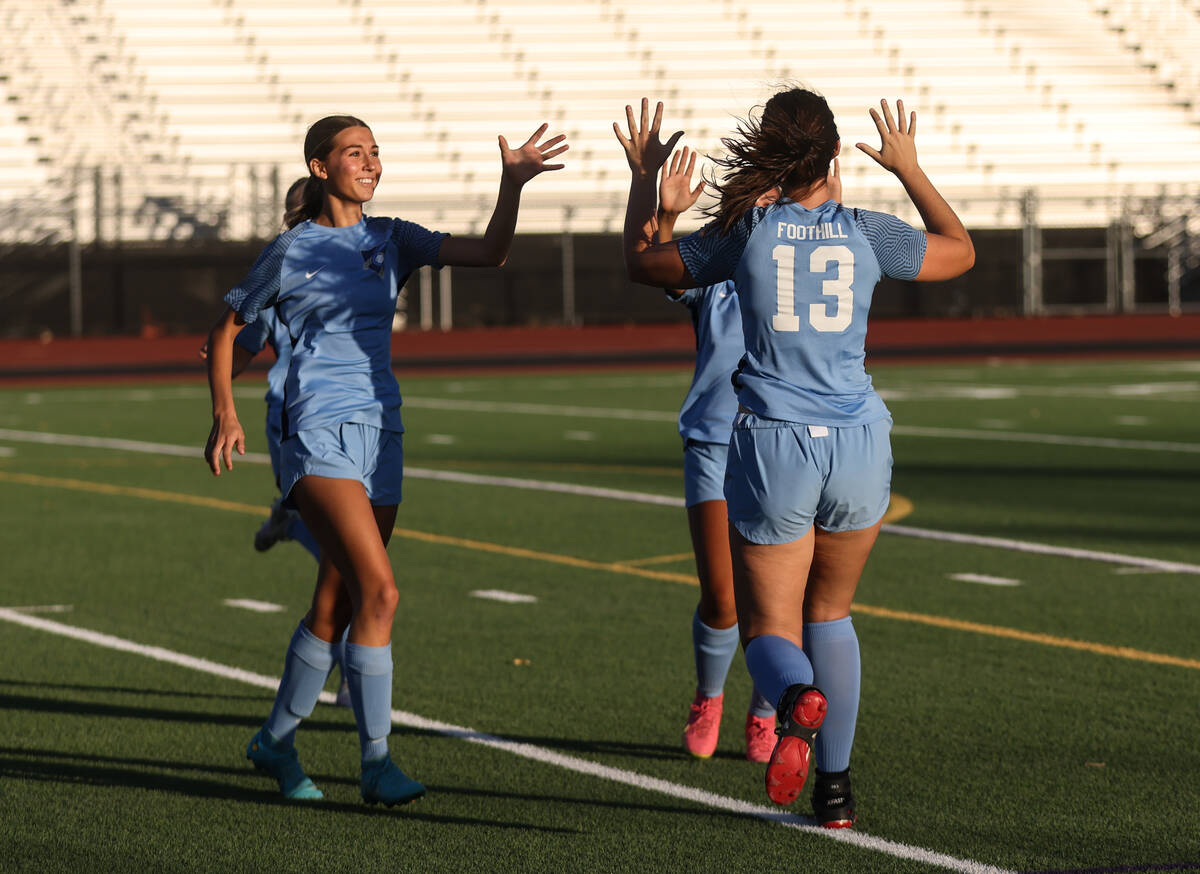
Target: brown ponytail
{"x": 791, "y": 145}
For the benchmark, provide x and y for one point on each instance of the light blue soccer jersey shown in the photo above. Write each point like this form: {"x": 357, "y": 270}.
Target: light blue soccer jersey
{"x": 711, "y": 403}
{"x": 335, "y": 291}
{"x": 805, "y": 279}
{"x": 268, "y": 330}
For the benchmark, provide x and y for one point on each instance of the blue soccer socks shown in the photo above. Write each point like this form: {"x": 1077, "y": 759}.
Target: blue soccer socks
{"x": 305, "y": 668}
{"x": 714, "y": 649}
{"x": 368, "y": 671}
{"x": 776, "y": 663}
{"x": 832, "y": 648}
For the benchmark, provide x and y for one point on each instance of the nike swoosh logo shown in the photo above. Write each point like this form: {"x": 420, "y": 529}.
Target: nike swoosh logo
{"x": 308, "y": 275}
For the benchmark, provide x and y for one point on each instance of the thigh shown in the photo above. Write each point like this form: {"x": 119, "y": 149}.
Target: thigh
{"x": 838, "y": 561}
{"x": 340, "y": 516}
{"x": 769, "y": 582}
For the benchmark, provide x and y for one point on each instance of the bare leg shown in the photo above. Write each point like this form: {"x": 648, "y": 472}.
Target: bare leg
{"x": 353, "y": 536}
{"x": 709, "y": 525}
{"x": 769, "y": 583}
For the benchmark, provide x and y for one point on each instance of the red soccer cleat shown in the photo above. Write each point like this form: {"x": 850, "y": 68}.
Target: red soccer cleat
{"x": 801, "y": 712}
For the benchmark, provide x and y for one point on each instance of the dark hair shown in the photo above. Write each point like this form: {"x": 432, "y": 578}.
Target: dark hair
{"x": 318, "y": 143}
{"x": 790, "y": 145}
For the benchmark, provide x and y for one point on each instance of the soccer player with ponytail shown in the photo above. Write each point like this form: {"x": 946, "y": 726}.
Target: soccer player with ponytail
{"x": 332, "y": 278}
{"x": 809, "y": 468}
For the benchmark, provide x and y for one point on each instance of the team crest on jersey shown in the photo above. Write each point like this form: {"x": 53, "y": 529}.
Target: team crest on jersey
{"x": 374, "y": 259}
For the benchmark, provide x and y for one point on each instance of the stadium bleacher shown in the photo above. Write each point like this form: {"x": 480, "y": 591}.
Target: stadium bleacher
{"x": 1084, "y": 102}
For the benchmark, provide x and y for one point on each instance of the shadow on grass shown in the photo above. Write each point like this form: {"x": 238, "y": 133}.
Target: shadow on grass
{"x": 67, "y": 707}
{"x": 130, "y": 690}
{"x": 109, "y": 771}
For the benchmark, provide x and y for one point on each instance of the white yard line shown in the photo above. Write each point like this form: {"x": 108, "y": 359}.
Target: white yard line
{"x": 985, "y": 579}
{"x": 255, "y": 606}
{"x": 1045, "y": 439}
{"x": 526, "y": 750}
{"x": 506, "y": 597}
{"x": 613, "y": 494}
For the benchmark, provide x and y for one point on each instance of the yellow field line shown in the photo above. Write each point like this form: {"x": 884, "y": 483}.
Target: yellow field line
{"x": 658, "y": 559}
{"x": 1122, "y": 652}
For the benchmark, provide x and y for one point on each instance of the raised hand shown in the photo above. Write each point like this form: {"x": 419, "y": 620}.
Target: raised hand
{"x": 675, "y": 192}
{"x": 643, "y": 149}
{"x": 529, "y": 159}
{"x": 898, "y": 149}
{"x": 833, "y": 182}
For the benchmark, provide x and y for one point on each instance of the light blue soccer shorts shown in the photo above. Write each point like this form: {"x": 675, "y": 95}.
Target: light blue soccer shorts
{"x": 274, "y": 436}
{"x": 783, "y": 477}
{"x": 703, "y": 471}
{"x": 346, "y": 451}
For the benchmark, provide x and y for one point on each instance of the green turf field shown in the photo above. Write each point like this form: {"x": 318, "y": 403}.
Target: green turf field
{"x": 1022, "y": 710}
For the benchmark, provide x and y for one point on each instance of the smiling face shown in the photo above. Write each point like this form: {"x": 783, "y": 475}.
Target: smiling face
{"x": 352, "y": 169}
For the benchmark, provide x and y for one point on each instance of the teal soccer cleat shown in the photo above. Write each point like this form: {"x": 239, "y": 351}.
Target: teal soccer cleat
{"x": 284, "y": 766}
{"x": 383, "y": 782}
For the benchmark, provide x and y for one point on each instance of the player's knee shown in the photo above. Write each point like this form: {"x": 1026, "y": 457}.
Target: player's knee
{"x": 379, "y": 601}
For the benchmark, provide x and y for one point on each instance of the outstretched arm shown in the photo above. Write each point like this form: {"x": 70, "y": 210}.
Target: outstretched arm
{"x": 226, "y": 433}
{"x": 518, "y": 165}
{"x": 675, "y": 197}
{"x": 648, "y": 262}
{"x": 949, "y": 251}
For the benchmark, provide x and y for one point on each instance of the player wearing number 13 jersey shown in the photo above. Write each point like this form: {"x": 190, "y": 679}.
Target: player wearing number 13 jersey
{"x": 809, "y": 468}
{"x": 805, "y": 279}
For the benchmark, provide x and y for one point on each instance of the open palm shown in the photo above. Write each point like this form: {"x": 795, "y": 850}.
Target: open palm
{"x": 529, "y": 159}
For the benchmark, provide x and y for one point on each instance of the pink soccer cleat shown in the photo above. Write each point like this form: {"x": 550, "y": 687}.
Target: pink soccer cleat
{"x": 703, "y": 725}
{"x": 760, "y": 737}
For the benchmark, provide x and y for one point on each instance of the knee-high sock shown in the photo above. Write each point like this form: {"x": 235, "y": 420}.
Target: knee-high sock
{"x": 369, "y": 676}
{"x": 832, "y": 647}
{"x": 305, "y": 668}
{"x": 714, "y": 649}
{"x": 759, "y": 705}
{"x": 776, "y": 663}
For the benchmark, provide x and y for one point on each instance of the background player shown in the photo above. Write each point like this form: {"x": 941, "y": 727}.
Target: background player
{"x": 705, "y": 420}
{"x": 810, "y": 463}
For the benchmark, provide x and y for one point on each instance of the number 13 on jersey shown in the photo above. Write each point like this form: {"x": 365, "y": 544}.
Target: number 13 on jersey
{"x": 819, "y": 314}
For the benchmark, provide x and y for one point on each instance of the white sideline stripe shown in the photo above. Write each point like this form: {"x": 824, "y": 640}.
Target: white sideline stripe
{"x": 1049, "y": 439}
{"x": 615, "y": 494}
{"x": 251, "y": 604}
{"x": 1174, "y": 567}
{"x": 506, "y": 597}
{"x": 985, "y": 579}
{"x": 414, "y": 472}
{"x": 525, "y": 750}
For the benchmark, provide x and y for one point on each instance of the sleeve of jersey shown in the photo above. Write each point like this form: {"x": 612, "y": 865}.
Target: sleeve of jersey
{"x": 419, "y": 244}
{"x": 254, "y": 336}
{"x": 260, "y": 287}
{"x": 710, "y": 256}
{"x": 898, "y": 246}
